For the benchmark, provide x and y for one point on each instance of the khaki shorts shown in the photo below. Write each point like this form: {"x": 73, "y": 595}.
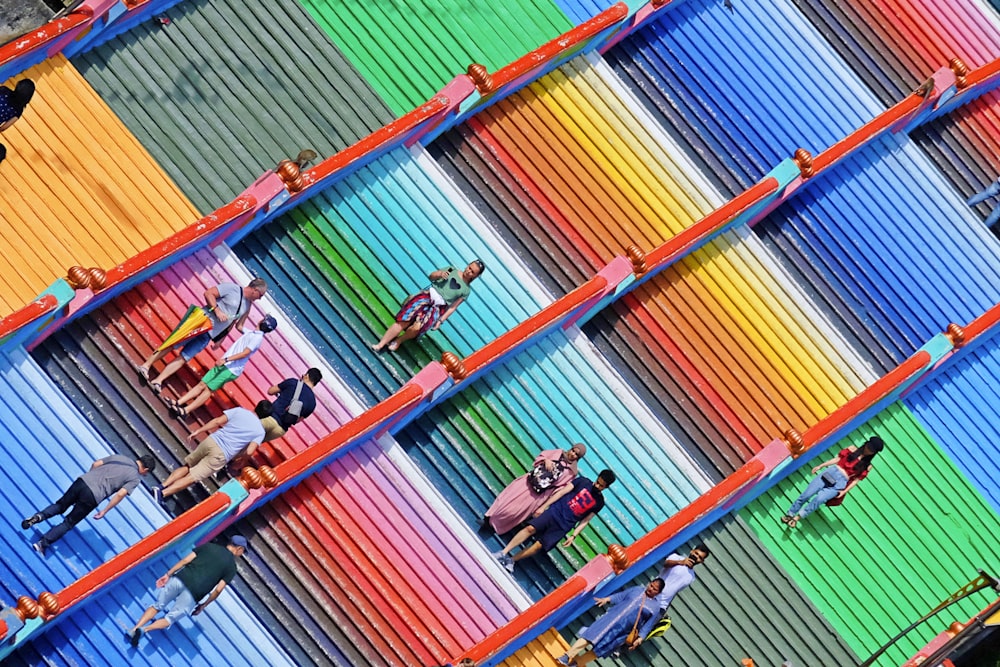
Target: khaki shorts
{"x": 272, "y": 429}
{"x": 206, "y": 460}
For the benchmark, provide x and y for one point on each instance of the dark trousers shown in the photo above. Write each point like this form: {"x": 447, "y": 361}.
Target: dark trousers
{"x": 80, "y": 498}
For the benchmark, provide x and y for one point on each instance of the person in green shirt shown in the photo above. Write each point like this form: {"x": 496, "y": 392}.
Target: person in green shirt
{"x": 205, "y": 571}
{"x": 428, "y": 309}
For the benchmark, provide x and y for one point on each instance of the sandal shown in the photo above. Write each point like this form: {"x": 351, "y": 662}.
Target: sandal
{"x": 393, "y": 346}
{"x": 792, "y": 522}
{"x": 785, "y": 518}
{"x": 156, "y": 387}
{"x": 143, "y": 374}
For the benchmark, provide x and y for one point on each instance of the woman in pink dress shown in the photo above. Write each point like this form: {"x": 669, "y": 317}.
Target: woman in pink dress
{"x": 552, "y": 470}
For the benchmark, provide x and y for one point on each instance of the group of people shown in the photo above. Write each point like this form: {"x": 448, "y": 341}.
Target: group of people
{"x": 13, "y": 102}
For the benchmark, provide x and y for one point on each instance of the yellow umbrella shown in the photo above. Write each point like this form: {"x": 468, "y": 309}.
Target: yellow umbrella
{"x": 194, "y": 322}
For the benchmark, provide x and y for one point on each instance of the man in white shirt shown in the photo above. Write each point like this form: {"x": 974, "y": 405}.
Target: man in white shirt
{"x": 235, "y": 432}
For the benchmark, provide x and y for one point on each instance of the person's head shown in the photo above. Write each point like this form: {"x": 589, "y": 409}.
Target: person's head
{"x": 238, "y": 545}
{"x": 605, "y": 479}
{"x": 263, "y": 409}
{"x": 699, "y": 554}
{"x": 23, "y": 92}
{"x": 873, "y": 445}
{"x": 268, "y": 324}
{"x": 473, "y": 270}
{"x": 312, "y": 377}
{"x": 654, "y": 588}
{"x": 3, "y": 152}
{"x": 256, "y": 289}
{"x": 146, "y": 463}
{"x": 576, "y": 452}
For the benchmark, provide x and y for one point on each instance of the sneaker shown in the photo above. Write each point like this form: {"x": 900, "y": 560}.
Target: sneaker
{"x": 40, "y": 547}
{"x": 133, "y": 637}
{"x": 158, "y": 494}
{"x": 31, "y": 521}
{"x": 508, "y": 563}
{"x": 563, "y": 660}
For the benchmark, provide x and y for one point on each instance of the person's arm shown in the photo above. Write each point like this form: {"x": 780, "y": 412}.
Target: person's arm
{"x": 447, "y": 313}
{"x": 211, "y": 597}
{"x": 97, "y": 464}
{"x": 440, "y": 274}
{"x": 826, "y": 464}
{"x": 210, "y": 427}
{"x": 212, "y": 297}
{"x": 556, "y": 495}
{"x": 650, "y": 623}
{"x": 600, "y": 602}
{"x": 251, "y": 448}
{"x": 579, "y": 528}
{"x": 162, "y": 581}
{"x": 850, "y": 485}
{"x": 242, "y": 354}
{"x": 7, "y": 123}
{"x": 115, "y": 499}
{"x": 273, "y": 390}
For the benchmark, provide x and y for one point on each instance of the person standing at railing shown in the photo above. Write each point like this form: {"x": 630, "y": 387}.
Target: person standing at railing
{"x": 677, "y": 574}
{"x": 227, "y": 305}
{"x": 204, "y": 572}
{"x": 114, "y": 477}
{"x": 13, "y": 102}
{"x": 428, "y": 309}
{"x": 848, "y": 468}
{"x": 550, "y": 477}
{"x": 628, "y": 610}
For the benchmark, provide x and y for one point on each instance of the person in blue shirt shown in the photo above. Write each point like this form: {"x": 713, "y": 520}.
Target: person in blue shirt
{"x": 575, "y": 505}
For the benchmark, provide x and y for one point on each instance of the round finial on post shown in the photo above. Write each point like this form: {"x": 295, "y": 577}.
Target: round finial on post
{"x": 454, "y": 366}
{"x": 98, "y": 278}
{"x": 794, "y": 441}
{"x": 617, "y": 558}
{"x": 955, "y": 334}
{"x": 268, "y": 476}
{"x": 804, "y": 160}
{"x": 78, "y": 277}
{"x": 26, "y": 608}
{"x": 955, "y": 628}
{"x": 290, "y": 175}
{"x": 49, "y": 603}
{"x": 638, "y": 259}
{"x": 481, "y": 77}
{"x": 960, "y": 70}
{"x": 250, "y": 478}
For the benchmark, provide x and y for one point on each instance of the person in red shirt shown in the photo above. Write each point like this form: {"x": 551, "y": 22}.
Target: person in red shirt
{"x": 848, "y": 468}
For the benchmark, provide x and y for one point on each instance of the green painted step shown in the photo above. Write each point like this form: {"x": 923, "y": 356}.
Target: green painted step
{"x": 908, "y": 536}
{"x": 229, "y": 89}
{"x": 409, "y": 51}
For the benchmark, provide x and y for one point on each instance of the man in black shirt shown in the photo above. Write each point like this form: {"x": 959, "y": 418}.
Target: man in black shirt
{"x": 205, "y": 571}
{"x": 295, "y": 401}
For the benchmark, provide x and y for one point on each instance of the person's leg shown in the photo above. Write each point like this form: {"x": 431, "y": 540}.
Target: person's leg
{"x": 84, "y": 505}
{"x": 177, "y": 485}
{"x": 993, "y": 217}
{"x": 821, "y": 497}
{"x": 169, "y": 370}
{"x": 152, "y": 359}
{"x": 812, "y": 489}
{"x": 177, "y": 474}
{"x": 531, "y": 551}
{"x": 411, "y": 332}
{"x": 390, "y": 333}
{"x": 192, "y": 394}
{"x": 146, "y": 617}
{"x": 518, "y": 539}
{"x": 991, "y": 190}
{"x": 578, "y": 647}
{"x": 199, "y": 399}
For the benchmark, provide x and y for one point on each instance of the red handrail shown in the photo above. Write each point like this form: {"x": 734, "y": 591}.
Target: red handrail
{"x": 680, "y": 244}
{"x": 207, "y": 226}
{"x": 982, "y": 324}
{"x": 38, "y": 38}
{"x": 553, "y": 313}
{"x": 381, "y": 137}
{"x": 562, "y": 44}
{"x": 915, "y": 365}
{"x": 368, "y": 421}
{"x": 142, "y": 550}
{"x": 28, "y": 314}
{"x": 526, "y": 620}
{"x": 868, "y": 131}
